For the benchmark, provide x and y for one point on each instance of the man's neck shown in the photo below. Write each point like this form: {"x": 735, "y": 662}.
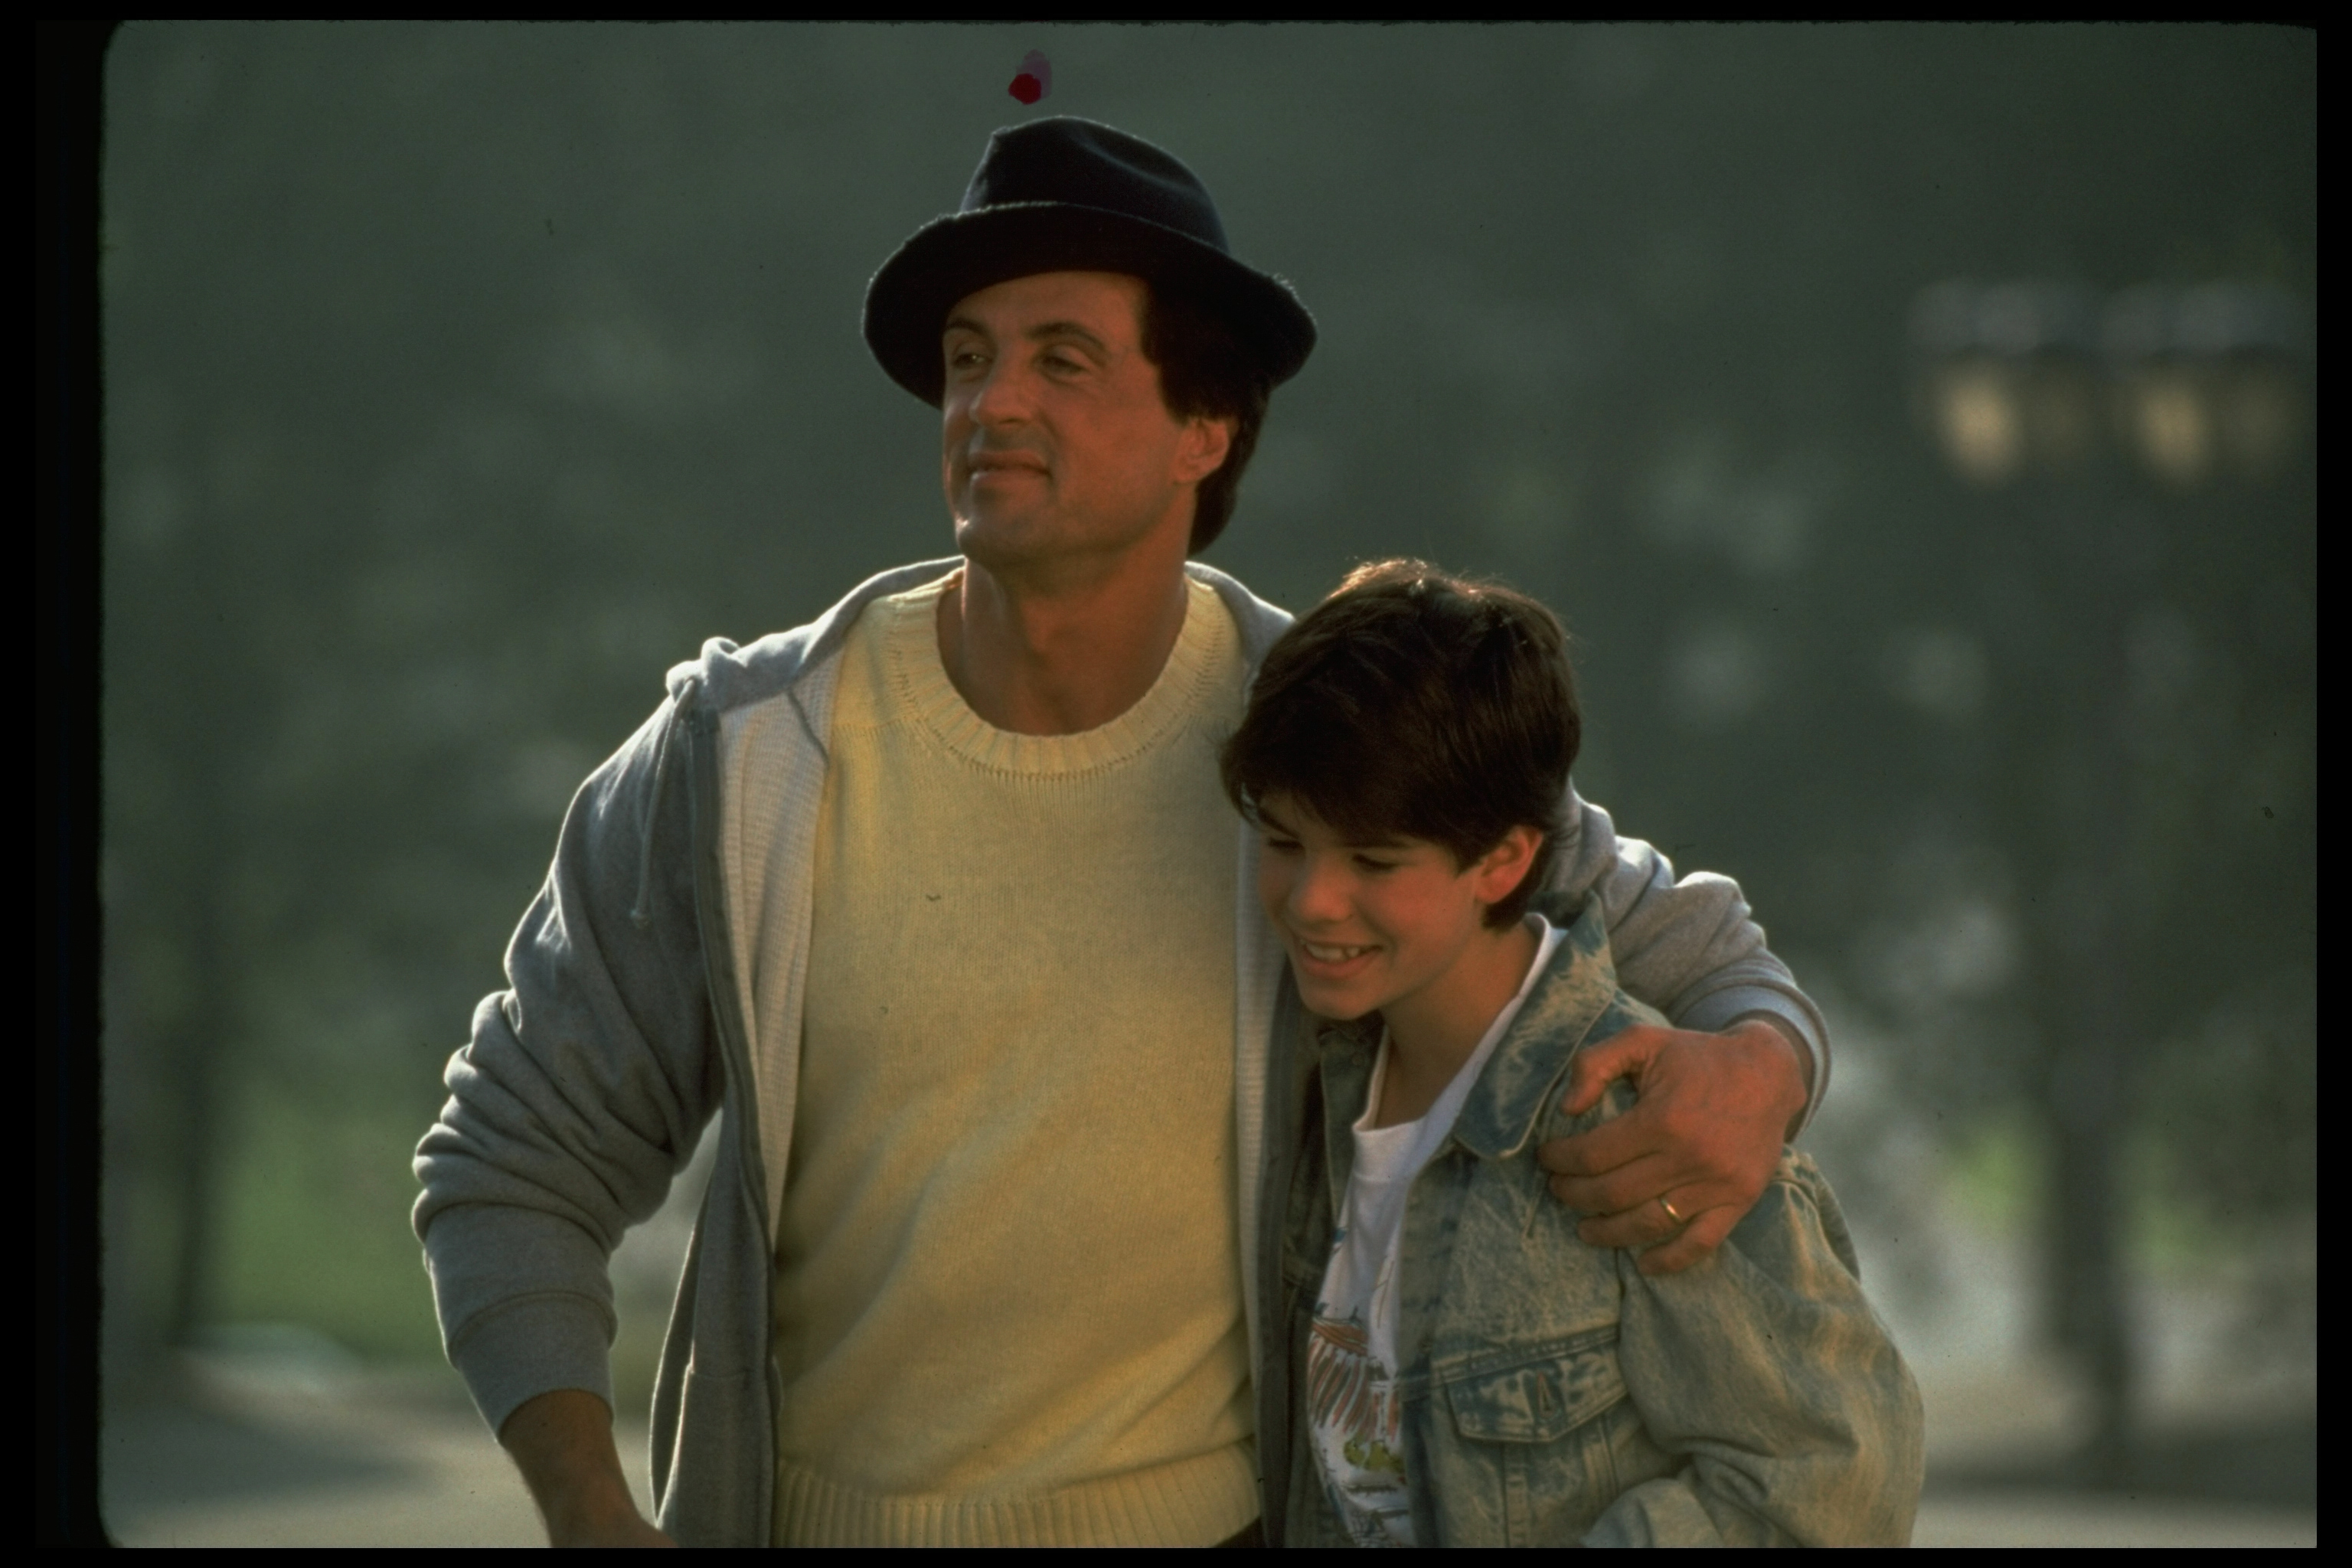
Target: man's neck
{"x": 1056, "y": 658}
{"x": 1435, "y": 1032}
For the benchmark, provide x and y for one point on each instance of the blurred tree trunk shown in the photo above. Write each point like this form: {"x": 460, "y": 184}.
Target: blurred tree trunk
{"x": 188, "y": 679}
{"x": 2086, "y": 1211}
{"x": 2085, "y": 995}
{"x": 199, "y": 1058}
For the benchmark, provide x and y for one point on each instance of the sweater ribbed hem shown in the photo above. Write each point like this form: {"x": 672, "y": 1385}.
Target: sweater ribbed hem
{"x": 1198, "y": 1502}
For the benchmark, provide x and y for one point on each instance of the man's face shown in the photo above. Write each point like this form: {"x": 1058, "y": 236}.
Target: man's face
{"x": 1371, "y": 926}
{"x": 1056, "y": 441}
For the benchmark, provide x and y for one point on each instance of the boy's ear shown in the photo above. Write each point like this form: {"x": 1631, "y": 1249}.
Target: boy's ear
{"x": 1501, "y": 869}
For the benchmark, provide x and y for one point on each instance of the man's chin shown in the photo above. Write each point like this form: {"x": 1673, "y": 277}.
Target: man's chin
{"x": 992, "y": 539}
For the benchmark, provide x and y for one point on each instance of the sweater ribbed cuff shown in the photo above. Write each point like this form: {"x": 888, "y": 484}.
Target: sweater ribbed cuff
{"x": 532, "y": 1346}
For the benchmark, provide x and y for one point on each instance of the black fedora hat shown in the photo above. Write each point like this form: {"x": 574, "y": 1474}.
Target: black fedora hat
{"x": 1065, "y": 195}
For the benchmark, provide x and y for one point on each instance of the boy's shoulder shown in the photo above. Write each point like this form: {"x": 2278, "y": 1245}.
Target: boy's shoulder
{"x": 1578, "y": 1002}
{"x": 1578, "y": 993}
{"x": 1575, "y": 1002}
{"x": 1798, "y": 1210}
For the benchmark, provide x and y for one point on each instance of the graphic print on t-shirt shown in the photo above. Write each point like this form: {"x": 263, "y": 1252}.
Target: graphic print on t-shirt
{"x": 1357, "y": 1420}
{"x": 1352, "y": 1407}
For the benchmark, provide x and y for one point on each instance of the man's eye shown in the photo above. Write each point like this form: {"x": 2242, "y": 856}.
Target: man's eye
{"x": 1276, "y": 844}
{"x": 1375, "y": 865}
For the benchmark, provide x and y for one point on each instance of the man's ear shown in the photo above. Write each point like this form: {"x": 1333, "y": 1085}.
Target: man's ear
{"x": 1203, "y": 449}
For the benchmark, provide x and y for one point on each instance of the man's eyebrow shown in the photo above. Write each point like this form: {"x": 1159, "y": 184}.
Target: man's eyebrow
{"x": 1044, "y": 330}
{"x": 1038, "y": 333}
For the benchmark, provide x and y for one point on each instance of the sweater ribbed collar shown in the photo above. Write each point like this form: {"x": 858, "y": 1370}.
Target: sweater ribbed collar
{"x": 1202, "y": 679}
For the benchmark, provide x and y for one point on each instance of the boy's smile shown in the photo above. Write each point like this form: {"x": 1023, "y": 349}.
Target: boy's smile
{"x": 1328, "y": 966}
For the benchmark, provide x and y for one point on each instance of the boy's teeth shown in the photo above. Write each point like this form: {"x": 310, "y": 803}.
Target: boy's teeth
{"x": 1332, "y": 955}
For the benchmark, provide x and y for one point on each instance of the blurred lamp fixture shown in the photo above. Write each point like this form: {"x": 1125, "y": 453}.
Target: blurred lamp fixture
{"x": 2009, "y": 376}
{"x": 2195, "y": 382}
{"x": 2207, "y": 379}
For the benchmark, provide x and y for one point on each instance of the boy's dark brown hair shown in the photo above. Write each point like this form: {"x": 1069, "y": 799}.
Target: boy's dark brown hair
{"x": 1413, "y": 704}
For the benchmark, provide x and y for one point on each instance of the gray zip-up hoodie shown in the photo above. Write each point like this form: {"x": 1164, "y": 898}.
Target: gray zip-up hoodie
{"x": 639, "y": 1006}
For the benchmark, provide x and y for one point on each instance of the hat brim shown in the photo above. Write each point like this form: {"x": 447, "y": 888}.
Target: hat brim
{"x": 909, "y": 300}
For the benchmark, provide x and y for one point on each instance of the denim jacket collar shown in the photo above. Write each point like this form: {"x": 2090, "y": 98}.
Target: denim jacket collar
{"x": 1520, "y": 1084}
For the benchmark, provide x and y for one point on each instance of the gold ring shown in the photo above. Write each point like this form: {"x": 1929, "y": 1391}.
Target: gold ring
{"x": 1670, "y": 1210}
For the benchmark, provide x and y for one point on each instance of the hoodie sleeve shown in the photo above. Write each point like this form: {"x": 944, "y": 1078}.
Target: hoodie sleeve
{"x": 581, "y": 1093}
{"x": 1689, "y": 948}
{"x": 1768, "y": 1370}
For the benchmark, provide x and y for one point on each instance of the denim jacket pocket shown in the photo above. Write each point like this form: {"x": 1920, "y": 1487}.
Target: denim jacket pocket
{"x": 1539, "y": 1400}
{"x": 1529, "y": 1459}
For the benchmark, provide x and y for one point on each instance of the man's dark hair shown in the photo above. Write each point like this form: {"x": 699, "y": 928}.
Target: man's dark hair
{"x": 1206, "y": 369}
{"x": 1412, "y": 704}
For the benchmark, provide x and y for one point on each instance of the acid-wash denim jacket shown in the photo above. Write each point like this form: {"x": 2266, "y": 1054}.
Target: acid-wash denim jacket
{"x": 1551, "y": 1393}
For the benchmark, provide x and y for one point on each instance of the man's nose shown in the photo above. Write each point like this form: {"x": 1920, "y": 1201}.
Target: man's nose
{"x": 1001, "y": 398}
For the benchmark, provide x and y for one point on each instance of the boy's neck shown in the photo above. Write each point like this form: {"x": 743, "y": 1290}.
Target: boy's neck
{"x": 1433, "y": 1031}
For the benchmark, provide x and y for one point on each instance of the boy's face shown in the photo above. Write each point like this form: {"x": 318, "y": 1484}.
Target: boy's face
{"x": 1373, "y": 926}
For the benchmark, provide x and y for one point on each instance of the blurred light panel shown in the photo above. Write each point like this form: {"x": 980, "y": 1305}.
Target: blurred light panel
{"x": 2011, "y": 378}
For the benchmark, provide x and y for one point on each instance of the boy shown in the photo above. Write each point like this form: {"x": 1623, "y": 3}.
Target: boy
{"x": 1460, "y": 1369}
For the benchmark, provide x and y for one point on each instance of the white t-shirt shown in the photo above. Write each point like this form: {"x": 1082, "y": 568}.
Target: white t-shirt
{"x": 1351, "y": 1355}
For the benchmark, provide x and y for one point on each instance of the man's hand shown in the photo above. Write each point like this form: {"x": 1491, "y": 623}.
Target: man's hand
{"x": 562, "y": 1443}
{"x": 1704, "y": 1136}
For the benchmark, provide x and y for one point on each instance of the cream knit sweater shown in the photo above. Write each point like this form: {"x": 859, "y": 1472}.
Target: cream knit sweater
{"x": 1008, "y": 1292}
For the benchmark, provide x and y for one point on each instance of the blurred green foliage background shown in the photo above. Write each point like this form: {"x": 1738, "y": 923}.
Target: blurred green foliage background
{"x": 461, "y": 378}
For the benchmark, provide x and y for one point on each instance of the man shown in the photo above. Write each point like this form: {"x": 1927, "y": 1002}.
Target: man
{"x": 938, "y": 904}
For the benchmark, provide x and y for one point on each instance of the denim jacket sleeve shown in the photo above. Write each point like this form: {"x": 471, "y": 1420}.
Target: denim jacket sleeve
{"x": 1767, "y": 1367}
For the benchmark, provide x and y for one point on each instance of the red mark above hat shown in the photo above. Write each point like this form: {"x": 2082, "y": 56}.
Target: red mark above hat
{"x": 1036, "y": 78}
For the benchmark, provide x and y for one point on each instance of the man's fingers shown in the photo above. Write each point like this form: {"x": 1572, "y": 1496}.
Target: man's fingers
{"x": 1635, "y": 1229}
{"x": 1596, "y": 1067}
{"x": 1694, "y": 1244}
{"x": 1666, "y": 1246}
{"x": 1634, "y": 1187}
{"x": 1638, "y": 1225}
{"x": 1599, "y": 1149}
{"x": 1632, "y": 1195}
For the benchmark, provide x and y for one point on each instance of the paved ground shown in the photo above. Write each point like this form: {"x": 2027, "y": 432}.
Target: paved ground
{"x": 279, "y": 1440}
{"x": 2055, "y": 1518}
{"x": 339, "y": 1459}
